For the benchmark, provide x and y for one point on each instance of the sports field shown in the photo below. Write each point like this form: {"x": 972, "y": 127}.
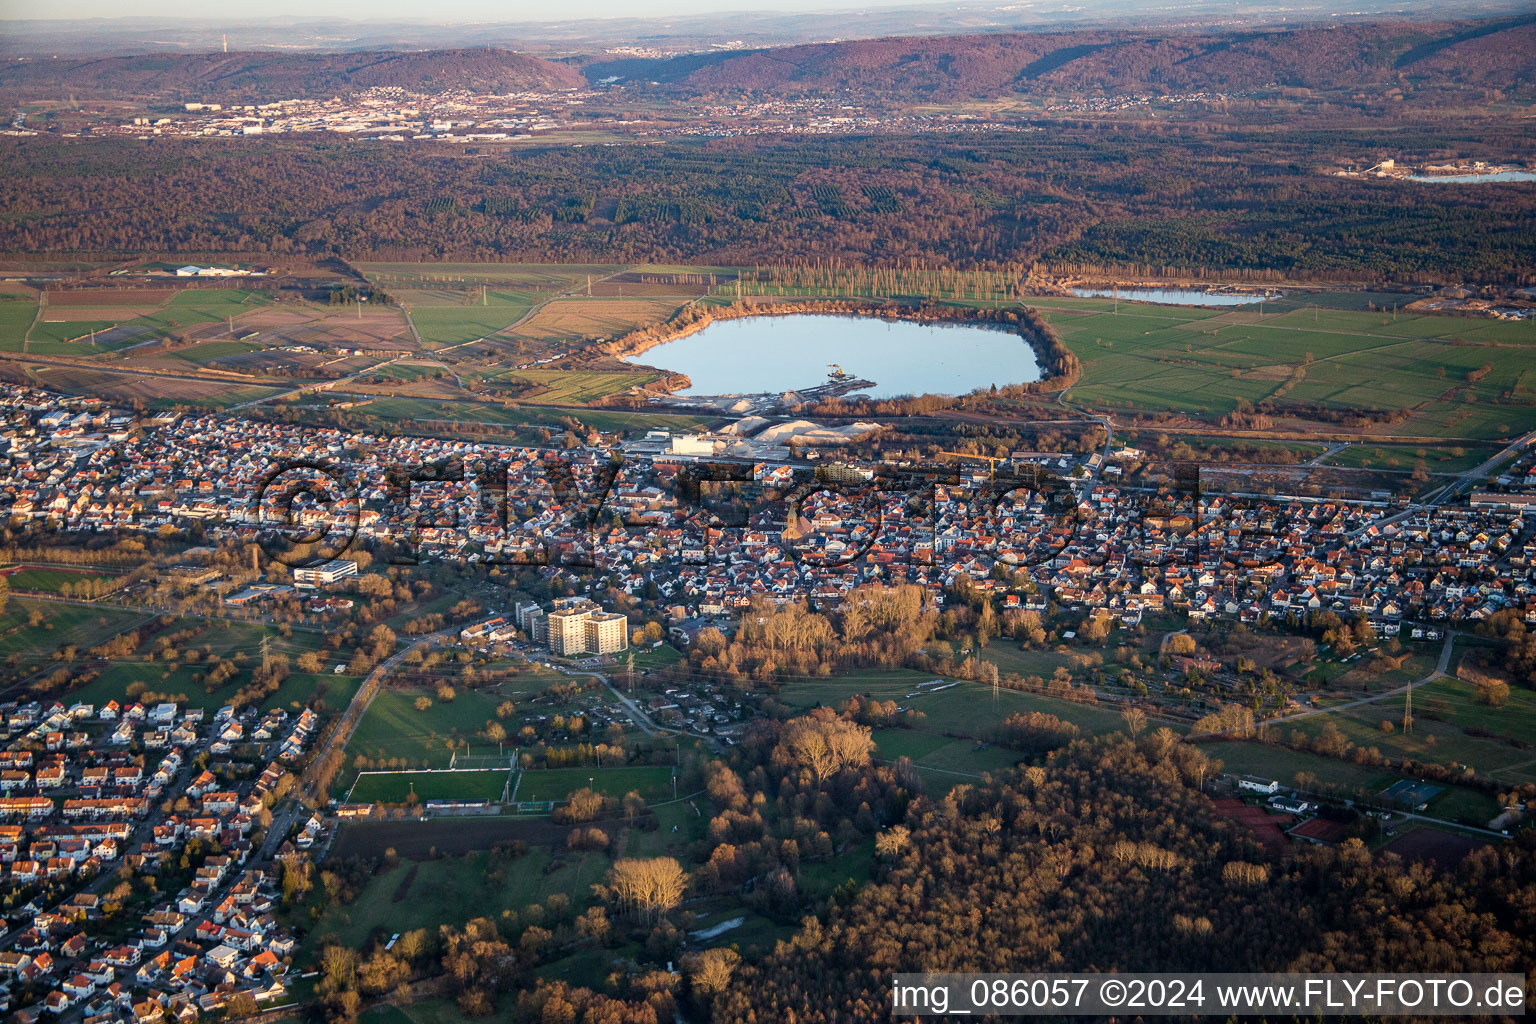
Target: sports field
{"x": 397, "y": 787}
{"x": 654, "y": 782}
{"x": 54, "y": 581}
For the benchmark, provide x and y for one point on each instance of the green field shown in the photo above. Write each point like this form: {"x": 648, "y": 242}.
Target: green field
{"x": 187, "y": 308}
{"x": 16, "y": 317}
{"x": 1178, "y": 359}
{"x": 944, "y": 761}
{"x": 967, "y": 710}
{"x": 393, "y": 728}
{"x": 396, "y": 787}
{"x": 1436, "y": 459}
{"x": 452, "y": 890}
{"x": 405, "y": 372}
{"x": 67, "y": 336}
{"x": 1444, "y": 710}
{"x": 60, "y": 625}
{"x": 211, "y": 350}
{"x": 579, "y": 386}
{"x": 51, "y": 581}
{"x": 1283, "y": 764}
{"x": 222, "y": 397}
{"x": 528, "y": 417}
{"x": 522, "y": 275}
{"x": 456, "y": 324}
{"x": 654, "y": 782}
{"x": 227, "y": 640}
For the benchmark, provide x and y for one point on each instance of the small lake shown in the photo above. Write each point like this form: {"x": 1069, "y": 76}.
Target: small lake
{"x": 773, "y": 354}
{"x": 1472, "y": 179}
{"x": 1172, "y": 296}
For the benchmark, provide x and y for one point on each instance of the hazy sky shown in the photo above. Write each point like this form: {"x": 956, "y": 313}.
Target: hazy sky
{"x": 440, "y": 11}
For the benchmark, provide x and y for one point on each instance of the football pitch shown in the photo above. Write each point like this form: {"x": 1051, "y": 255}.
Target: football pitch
{"x": 397, "y": 787}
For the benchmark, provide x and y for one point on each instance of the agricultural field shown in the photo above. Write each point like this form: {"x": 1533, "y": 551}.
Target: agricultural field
{"x": 450, "y": 324}
{"x": 1451, "y": 374}
{"x": 1436, "y": 458}
{"x": 579, "y": 387}
{"x": 208, "y": 351}
{"x": 575, "y": 319}
{"x": 16, "y": 316}
{"x": 155, "y": 390}
{"x": 397, "y": 787}
{"x": 532, "y": 276}
{"x": 523, "y": 421}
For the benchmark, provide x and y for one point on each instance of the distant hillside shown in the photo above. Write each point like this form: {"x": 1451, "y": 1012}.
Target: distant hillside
{"x": 227, "y": 77}
{"x": 1488, "y": 55}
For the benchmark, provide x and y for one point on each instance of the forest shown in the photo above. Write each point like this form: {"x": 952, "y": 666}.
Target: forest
{"x": 1437, "y": 57}
{"x": 1108, "y": 857}
{"x": 1066, "y": 197}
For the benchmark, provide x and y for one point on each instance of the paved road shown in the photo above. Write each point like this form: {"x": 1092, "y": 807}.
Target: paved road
{"x": 641, "y": 718}
{"x": 359, "y": 706}
{"x": 1476, "y": 473}
{"x": 1438, "y": 673}
{"x": 321, "y": 386}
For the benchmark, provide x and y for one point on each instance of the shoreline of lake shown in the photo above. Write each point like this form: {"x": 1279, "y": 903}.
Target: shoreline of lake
{"x": 910, "y": 359}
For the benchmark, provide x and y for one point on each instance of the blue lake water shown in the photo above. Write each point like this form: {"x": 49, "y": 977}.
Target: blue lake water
{"x": 1472, "y": 179}
{"x": 771, "y": 354}
{"x": 1172, "y": 296}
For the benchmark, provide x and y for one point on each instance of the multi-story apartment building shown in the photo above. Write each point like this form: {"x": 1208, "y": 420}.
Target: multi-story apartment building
{"x": 578, "y": 626}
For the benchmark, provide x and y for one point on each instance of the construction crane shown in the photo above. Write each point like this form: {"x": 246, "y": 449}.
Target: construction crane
{"x": 992, "y": 460}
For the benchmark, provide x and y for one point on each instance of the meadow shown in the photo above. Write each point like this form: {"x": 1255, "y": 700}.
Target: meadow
{"x": 654, "y": 782}
{"x": 228, "y": 640}
{"x": 1448, "y": 377}
{"x": 948, "y": 745}
{"x": 392, "y": 727}
{"x": 451, "y": 890}
{"x": 1436, "y": 458}
{"x": 452, "y": 324}
{"x": 1284, "y": 765}
{"x": 1451, "y": 726}
{"x": 58, "y": 626}
{"x": 522, "y": 420}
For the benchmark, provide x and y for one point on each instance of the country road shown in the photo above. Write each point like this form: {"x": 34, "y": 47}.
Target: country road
{"x": 349, "y": 719}
{"x": 1440, "y": 672}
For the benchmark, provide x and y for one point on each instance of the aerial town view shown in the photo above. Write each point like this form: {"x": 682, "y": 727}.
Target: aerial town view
{"x": 656, "y": 514}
